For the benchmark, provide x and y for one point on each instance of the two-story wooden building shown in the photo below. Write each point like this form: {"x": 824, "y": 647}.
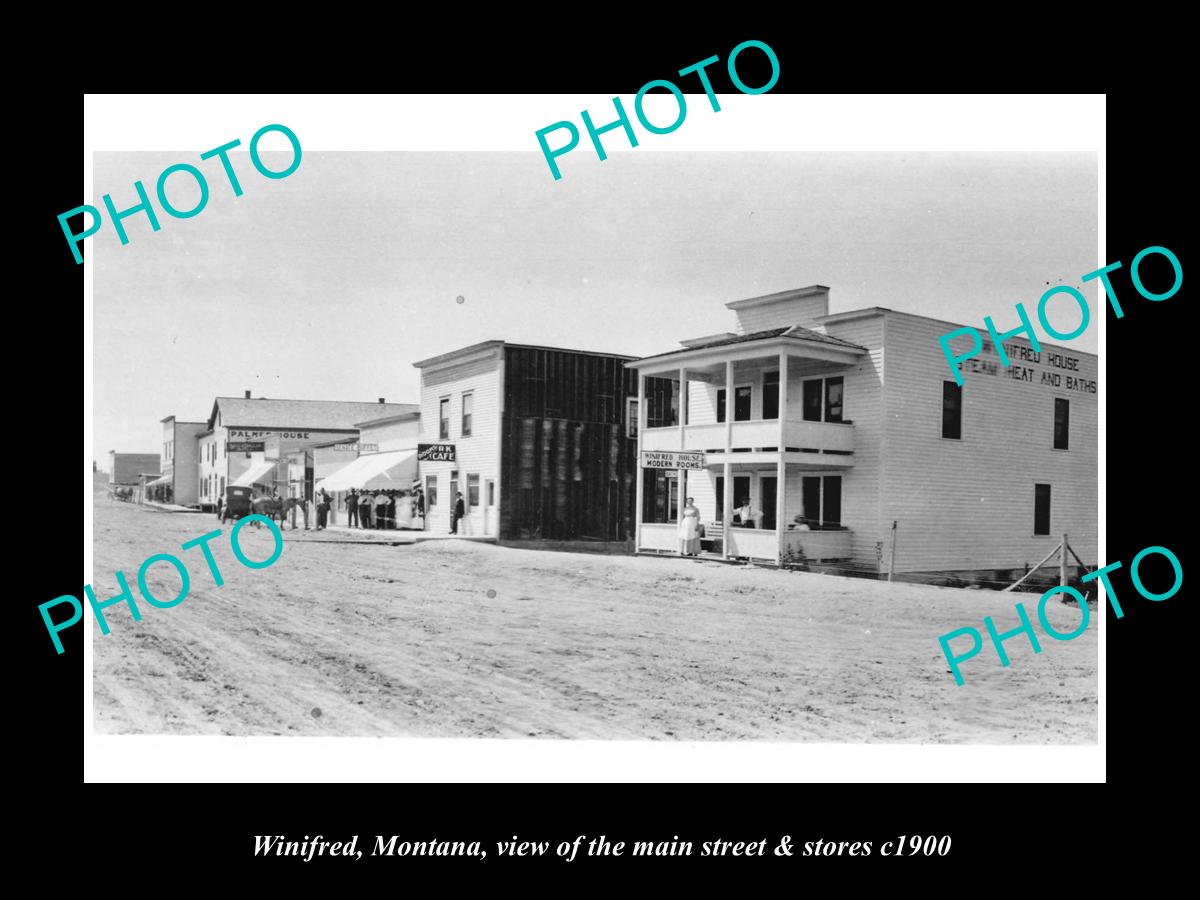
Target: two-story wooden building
{"x": 834, "y": 427}
{"x": 537, "y": 439}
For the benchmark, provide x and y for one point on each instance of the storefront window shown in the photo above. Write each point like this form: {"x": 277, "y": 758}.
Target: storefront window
{"x": 472, "y": 490}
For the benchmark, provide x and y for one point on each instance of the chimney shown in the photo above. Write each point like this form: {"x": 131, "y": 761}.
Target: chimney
{"x": 381, "y": 400}
{"x": 247, "y": 395}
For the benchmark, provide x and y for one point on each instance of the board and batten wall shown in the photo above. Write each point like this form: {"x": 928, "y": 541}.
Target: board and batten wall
{"x": 969, "y": 503}
{"x": 478, "y": 454}
{"x": 568, "y": 464}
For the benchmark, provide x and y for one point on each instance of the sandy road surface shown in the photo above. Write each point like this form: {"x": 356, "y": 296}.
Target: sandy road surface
{"x": 342, "y": 639}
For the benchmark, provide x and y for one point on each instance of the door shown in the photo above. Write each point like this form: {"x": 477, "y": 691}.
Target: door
{"x": 489, "y": 507}
{"x": 768, "y": 485}
{"x": 741, "y": 404}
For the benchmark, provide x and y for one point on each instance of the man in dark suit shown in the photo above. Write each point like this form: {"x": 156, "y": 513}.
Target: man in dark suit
{"x": 351, "y": 502}
{"x": 459, "y": 511}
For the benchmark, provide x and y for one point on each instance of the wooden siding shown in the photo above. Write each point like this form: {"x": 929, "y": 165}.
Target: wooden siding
{"x": 478, "y": 454}
{"x": 568, "y": 468}
{"x": 862, "y": 405}
{"x": 783, "y": 313}
{"x": 968, "y": 503}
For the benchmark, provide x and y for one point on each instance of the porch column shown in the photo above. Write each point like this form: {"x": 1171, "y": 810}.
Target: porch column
{"x": 729, "y": 406}
{"x": 682, "y": 445}
{"x": 781, "y": 478}
{"x": 726, "y": 509}
{"x": 640, "y": 487}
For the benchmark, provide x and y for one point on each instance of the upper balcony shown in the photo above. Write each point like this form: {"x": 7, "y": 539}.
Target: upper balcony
{"x": 833, "y": 441}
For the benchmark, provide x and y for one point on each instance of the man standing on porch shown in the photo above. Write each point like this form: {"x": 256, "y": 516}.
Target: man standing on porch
{"x": 749, "y": 514}
{"x": 689, "y": 530}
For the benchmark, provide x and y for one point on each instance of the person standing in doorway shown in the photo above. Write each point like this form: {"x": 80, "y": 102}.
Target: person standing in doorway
{"x": 459, "y": 512}
{"x": 322, "y": 509}
{"x": 365, "y": 501}
{"x": 689, "y": 529}
{"x": 351, "y": 502}
{"x": 419, "y": 506}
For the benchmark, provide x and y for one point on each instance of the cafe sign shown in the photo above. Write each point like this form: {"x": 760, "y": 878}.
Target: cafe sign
{"x": 435, "y": 452}
{"x": 671, "y": 459}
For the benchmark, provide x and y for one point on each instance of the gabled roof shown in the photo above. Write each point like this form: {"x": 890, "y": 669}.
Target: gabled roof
{"x": 793, "y": 331}
{"x": 317, "y": 415}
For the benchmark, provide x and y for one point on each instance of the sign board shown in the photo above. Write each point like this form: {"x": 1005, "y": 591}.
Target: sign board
{"x": 435, "y": 452}
{"x": 671, "y": 459}
{"x": 352, "y": 447}
{"x": 245, "y": 446}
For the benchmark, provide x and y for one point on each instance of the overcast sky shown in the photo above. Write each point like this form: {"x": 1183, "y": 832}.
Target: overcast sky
{"x": 330, "y": 283}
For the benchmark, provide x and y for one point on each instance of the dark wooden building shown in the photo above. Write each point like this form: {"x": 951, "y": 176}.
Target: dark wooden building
{"x": 539, "y": 440}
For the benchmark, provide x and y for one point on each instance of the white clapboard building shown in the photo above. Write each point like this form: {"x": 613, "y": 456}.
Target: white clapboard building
{"x": 851, "y": 441}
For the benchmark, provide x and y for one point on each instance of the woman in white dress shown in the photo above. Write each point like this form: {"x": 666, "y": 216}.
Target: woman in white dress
{"x": 689, "y": 530}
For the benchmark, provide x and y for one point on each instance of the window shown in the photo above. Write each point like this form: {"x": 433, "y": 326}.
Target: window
{"x": 444, "y": 419}
{"x": 821, "y": 399}
{"x": 741, "y": 403}
{"x": 742, "y": 395}
{"x": 821, "y": 500}
{"x": 472, "y": 490}
{"x": 951, "y": 410}
{"x": 770, "y": 395}
{"x": 812, "y": 400}
{"x": 631, "y": 417}
{"x": 491, "y": 493}
{"x": 660, "y": 496}
{"x": 453, "y": 488}
{"x": 468, "y": 407}
{"x": 222, "y": 494}
{"x": 833, "y": 399}
{"x": 1041, "y": 509}
{"x": 1062, "y": 423}
{"x": 430, "y": 491}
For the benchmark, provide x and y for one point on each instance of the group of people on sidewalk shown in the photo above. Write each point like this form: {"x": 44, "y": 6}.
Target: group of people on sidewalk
{"x": 385, "y": 509}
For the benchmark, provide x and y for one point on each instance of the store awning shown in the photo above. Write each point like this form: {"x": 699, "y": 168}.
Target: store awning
{"x": 392, "y": 469}
{"x": 254, "y": 475}
{"x": 161, "y": 479}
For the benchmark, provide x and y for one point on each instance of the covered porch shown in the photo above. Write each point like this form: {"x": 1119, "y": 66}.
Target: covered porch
{"x": 748, "y": 512}
{"x": 755, "y": 429}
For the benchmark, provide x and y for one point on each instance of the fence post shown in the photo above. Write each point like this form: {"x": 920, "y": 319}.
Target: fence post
{"x": 892, "y": 558}
{"x": 1062, "y": 561}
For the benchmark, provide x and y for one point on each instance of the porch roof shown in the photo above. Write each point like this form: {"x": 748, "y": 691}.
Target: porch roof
{"x": 792, "y": 335}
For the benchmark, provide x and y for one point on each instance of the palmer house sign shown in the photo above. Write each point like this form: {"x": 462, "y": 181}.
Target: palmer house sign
{"x": 671, "y": 459}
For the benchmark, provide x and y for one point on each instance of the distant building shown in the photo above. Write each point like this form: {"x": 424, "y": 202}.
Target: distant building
{"x": 384, "y": 457}
{"x": 537, "y": 439}
{"x": 126, "y": 469}
{"x": 249, "y": 440}
{"x": 179, "y": 481}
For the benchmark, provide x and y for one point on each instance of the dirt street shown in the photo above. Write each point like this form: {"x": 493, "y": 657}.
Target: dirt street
{"x": 454, "y": 639}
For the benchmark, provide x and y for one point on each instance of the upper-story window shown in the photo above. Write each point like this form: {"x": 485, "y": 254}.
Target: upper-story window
{"x": 742, "y": 395}
{"x": 631, "y": 417}
{"x": 444, "y": 419}
{"x": 951, "y": 410}
{"x": 823, "y": 398}
{"x": 1062, "y": 423}
{"x": 770, "y": 395}
{"x": 468, "y": 409}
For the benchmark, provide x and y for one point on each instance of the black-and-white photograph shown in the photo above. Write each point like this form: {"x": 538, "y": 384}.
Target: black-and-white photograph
{"x": 673, "y": 449}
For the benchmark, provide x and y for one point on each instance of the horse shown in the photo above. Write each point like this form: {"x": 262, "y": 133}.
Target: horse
{"x": 278, "y": 508}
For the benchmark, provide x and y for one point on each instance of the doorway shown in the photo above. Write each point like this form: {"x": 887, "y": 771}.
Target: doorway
{"x": 769, "y": 495}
